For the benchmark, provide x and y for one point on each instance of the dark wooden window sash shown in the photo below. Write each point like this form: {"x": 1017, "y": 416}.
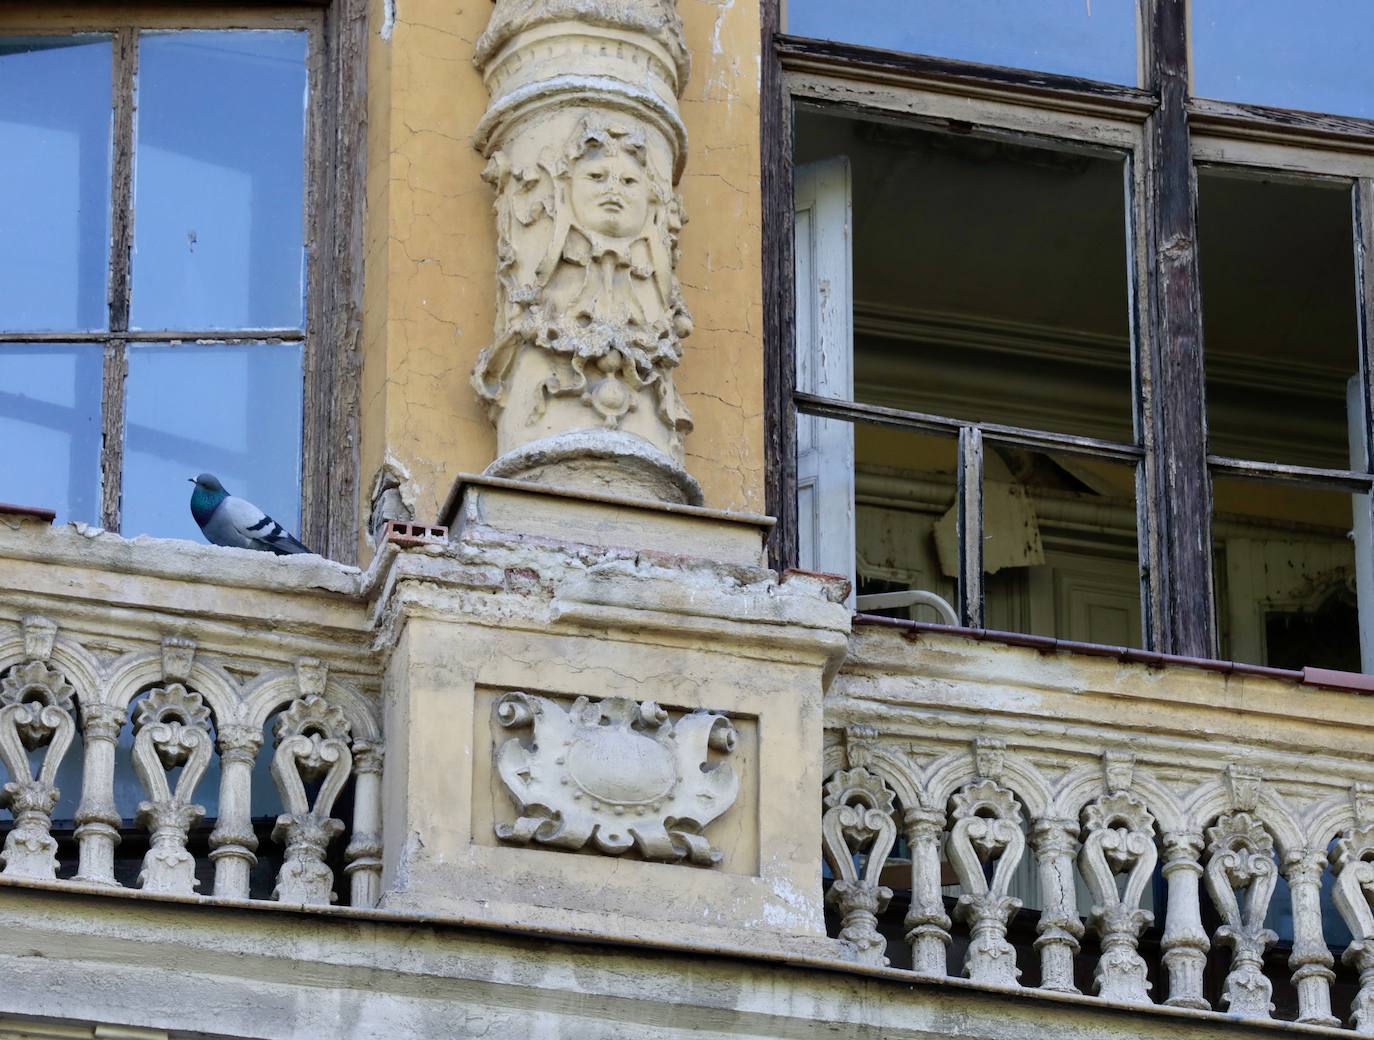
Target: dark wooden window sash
{"x": 1173, "y": 467}
{"x": 334, "y": 171}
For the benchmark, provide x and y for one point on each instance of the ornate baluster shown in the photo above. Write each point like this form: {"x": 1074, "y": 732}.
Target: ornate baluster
{"x": 312, "y": 744}
{"x": 987, "y": 828}
{"x": 1353, "y": 860}
{"x": 926, "y": 922}
{"x": 1241, "y": 856}
{"x": 1120, "y": 840}
{"x": 1185, "y": 943}
{"x": 35, "y": 712}
{"x": 233, "y": 844}
{"x": 97, "y": 818}
{"x": 364, "y": 852}
{"x": 1311, "y": 960}
{"x": 171, "y": 729}
{"x": 858, "y": 815}
{"x": 1055, "y": 842}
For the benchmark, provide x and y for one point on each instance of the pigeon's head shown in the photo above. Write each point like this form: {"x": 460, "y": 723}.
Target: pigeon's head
{"x": 207, "y": 482}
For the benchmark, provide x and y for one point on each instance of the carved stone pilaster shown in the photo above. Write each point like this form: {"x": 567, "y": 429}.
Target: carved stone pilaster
{"x": 1055, "y": 843}
{"x": 1185, "y": 943}
{"x": 363, "y": 857}
{"x": 987, "y": 830}
{"x": 312, "y": 746}
{"x": 97, "y": 817}
{"x": 926, "y": 922}
{"x": 1352, "y": 859}
{"x": 858, "y": 817}
{"x": 1120, "y": 840}
{"x": 1311, "y": 959}
{"x": 1241, "y": 859}
{"x": 233, "y": 845}
{"x": 171, "y": 729}
{"x": 585, "y": 146}
{"x": 36, "y": 703}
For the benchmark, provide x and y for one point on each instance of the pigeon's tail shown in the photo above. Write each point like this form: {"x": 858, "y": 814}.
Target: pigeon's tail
{"x": 287, "y": 545}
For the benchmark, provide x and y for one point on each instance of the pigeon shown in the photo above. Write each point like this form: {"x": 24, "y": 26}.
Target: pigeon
{"x": 226, "y": 520}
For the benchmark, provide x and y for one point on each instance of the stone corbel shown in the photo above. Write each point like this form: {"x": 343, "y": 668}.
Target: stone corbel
{"x": 585, "y": 147}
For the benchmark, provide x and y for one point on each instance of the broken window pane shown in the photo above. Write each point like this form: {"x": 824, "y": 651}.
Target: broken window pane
{"x": 231, "y": 410}
{"x": 1285, "y": 567}
{"x": 1279, "y": 317}
{"x": 1312, "y": 55}
{"x": 50, "y": 427}
{"x": 1060, "y": 551}
{"x": 1094, "y": 40}
{"x": 905, "y": 488}
{"x": 219, "y": 183}
{"x": 54, "y": 182}
{"x": 990, "y": 278}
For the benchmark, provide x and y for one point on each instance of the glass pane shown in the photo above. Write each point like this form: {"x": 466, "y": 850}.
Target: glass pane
{"x": 50, "y": 427}
{"x": 1060, "y": 552}
{"x": 1285, "y": 575}
{"x": 905, "y": 519}
{"x": 1312, "y": 55}
{"x": 55, "y": 113}
{"x": 1095, "y": 39}
{"x": 1279, "y": 317}
{"x": 990, "y": 279}
{"x": 234, "y": 411}
{"x": 219, "y": 181}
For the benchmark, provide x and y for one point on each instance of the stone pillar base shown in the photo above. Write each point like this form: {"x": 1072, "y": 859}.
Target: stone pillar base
{"x": 600, "y": 460}
{"x": 604, "y": 718}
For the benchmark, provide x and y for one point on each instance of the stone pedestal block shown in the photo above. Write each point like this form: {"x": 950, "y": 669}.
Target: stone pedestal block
{"x": 605, "y": 718}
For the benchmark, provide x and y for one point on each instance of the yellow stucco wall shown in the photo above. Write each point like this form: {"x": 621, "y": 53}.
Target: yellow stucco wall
{"x": 430, "y": 272}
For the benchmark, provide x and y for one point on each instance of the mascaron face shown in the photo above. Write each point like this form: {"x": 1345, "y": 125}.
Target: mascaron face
{"x": 610, "y": 194}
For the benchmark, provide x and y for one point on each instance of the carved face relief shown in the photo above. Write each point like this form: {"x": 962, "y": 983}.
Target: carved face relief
{"x": 610, "y": 194}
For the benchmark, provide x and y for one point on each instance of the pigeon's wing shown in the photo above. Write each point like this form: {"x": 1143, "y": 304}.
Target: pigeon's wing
{"x": 248, "y": 527}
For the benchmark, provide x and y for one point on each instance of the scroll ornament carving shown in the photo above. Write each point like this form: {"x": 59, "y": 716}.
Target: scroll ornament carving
{"x": 587, "y": 253}
{"x": 858, "y": 817}
{"x": 171, "y": 729}
{"x": 1352, "y": 860}
{"x": 613, "y": 775}
{"x": 1241, "y": 858}
{"x": 312, "y": 746}
{"x": 1120, "y": 840}
{"x": 36, "y": 704}
{"x": 987, "y": 829}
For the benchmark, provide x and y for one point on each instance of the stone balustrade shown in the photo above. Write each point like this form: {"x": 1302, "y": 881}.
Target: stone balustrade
{"x": 136, "y": 734}
{"x": 1088, "y": 788}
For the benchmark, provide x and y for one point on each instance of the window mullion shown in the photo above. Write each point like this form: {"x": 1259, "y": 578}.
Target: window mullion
{"x": 1362, "y": 447}
{"x": 970, "y": 527}
{"x": 121, "y": 240}
{"x": 1181, "y": 491}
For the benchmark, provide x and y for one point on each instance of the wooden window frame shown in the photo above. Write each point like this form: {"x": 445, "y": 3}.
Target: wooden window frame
{"x": 334, "y": 171}
{"x": 1174, "y": 469}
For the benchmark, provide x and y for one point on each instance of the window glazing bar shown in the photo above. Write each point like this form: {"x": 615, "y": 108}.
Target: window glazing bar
{"x": 1039, "y": 440}
{"x": 970, "y": 527}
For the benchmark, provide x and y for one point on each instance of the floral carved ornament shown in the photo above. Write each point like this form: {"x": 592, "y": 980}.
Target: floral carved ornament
{"x": 614, "y": 775}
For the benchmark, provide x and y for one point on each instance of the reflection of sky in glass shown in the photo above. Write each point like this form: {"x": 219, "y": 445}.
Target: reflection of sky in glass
{"x": 219, "y": 181}
{"x": 1095, "y": 39}
{"x": 1312, "y": 55}
{"x": 50, "y": 427}
{"x": 230, "y": 410}
{"x": 55, "y": 114}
